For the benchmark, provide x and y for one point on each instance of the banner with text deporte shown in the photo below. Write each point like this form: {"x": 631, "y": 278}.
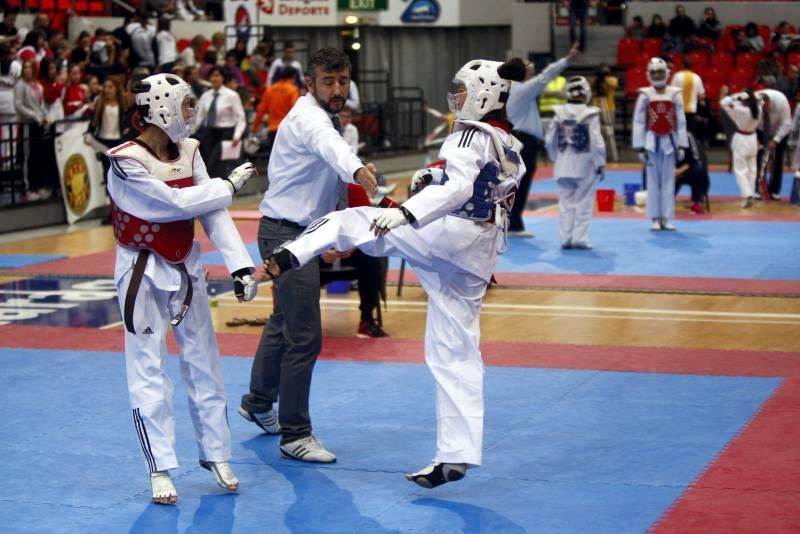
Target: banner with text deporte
{"x": 281, "y": 12}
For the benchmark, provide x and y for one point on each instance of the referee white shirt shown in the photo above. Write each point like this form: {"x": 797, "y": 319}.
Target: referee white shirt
{"x": 308, "y": 158}
{"x": 691, "y": 86}
{"x": 230, "y": 113}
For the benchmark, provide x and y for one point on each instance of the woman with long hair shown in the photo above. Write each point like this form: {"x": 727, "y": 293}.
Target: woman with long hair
{"x": 105, "y": 129}
{"x": 745, "y": 112}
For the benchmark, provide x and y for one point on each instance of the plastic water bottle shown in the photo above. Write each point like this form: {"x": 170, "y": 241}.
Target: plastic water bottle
{"x": 214, "y": 305}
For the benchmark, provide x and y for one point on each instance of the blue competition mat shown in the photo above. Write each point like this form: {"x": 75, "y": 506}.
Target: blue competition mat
{"x": 565, "y": 451}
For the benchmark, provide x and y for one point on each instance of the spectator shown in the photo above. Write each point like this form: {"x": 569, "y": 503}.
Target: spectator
{"x": 105, "y": 128}
{"x": 81, "y": 54}
{"x": 53, "y": 89}
{"x": 740, "y": 42}
{"x": 167, "y": 47}
{"x": 33, "y": 47}
{"x": 30, "y": 108}
{"x": 657, "y": 28}
{"x": 790, "y": 85}
{"x": 191, "y": 76}
{"x": 191, "y": 54}
{"x": 240, "y": 49}
{"x": 9, "y": 75}
{"x": 682, "y": 30}
{"x": 753, "y": 38}
{"x": 254, "y": 70}
{"x": 692, "y": 91}
{"x": 287, "y": 60}
{"x": 769, "y": 70}
{"x": 8, "y": 30}
{"x": 232, "y": 67}
{"x": 554, "y": 94}
{"x": 121, "y": 36}
{"x": 218, "y": 48}
{"x": 276, "y": 102}
{"x": 75, "y": 100}
{"x": 613, "y": 11}
{"x": 604, "y": 88}
{"x": 637, "y": 29}
{"x": 577, "y": 14}
{"x": 142, "y": 34}
{"x": 209, "y": 62}
{"x": 221, "y": 114}
{"x": 56, "y": 45}
{"x": 94, "y": 88}
{"x": 709, "y": 26}
{"x": 186, "y": 10}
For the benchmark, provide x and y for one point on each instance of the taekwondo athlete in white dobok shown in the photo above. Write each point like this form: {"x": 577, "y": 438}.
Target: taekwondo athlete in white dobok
{"x": 158, "y": 184}
{"x": 451, "y": 232}
{"x": 659, "y": 135}
{"x": 744, "y": 109}
{"x": 575, "y": 143}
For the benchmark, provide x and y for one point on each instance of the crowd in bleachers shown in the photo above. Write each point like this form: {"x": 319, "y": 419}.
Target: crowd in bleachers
{"x": 45, "y": 78}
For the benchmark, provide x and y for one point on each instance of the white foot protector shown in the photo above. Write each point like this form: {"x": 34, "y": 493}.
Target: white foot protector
{"x": 163, "y": 488}
{"x": 223, "y": 474}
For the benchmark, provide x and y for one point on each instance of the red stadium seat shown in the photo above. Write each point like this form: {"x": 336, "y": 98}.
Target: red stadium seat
{"x": 793, "y": 58}
{"x": 635, "y": 78}
{"x": 627, "y": 49}
{"x": 713, "y": 90}
{"x": 642, "y": 58}
{"x": 722, "y": 61}
{"x": 710, "y": 42}
{"x": 97, "y": 9}
{"x": 740, "y": 79}
{"x": 714, "y": 75}
{"x": 699, "y": 58}
{"x": 652, "y": 46}
{"x": 747, "y": 60}
{"x": 677, "y": 61}
{"x": 791, "y": 28}
{"x": 182, "y": 44}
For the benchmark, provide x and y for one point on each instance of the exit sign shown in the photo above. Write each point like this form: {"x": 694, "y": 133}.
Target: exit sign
{"x": 364, "y": 5}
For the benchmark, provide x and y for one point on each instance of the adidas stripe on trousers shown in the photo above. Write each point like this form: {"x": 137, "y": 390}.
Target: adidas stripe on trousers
{"x": 149, "y": 386}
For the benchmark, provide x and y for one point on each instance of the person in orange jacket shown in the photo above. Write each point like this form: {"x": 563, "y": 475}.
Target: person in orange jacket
{"x": 276, "y": 102}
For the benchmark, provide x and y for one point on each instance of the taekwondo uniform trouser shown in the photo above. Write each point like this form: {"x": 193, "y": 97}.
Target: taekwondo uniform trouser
{"x": 151, "y": 389}
{"x": 575, "y": 203}
{"x": 661, "y": 182}
{"x": 745, "y": 153}
{"x": 452, "y": 330}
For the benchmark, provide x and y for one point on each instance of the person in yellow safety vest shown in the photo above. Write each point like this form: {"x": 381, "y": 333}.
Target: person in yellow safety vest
{"x": 554, "y": 94}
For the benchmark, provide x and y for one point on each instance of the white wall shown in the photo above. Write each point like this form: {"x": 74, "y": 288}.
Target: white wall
{"x": 483, "y": 13}
{"x": 530, "y": 28}
{"x": 770, "y": 13}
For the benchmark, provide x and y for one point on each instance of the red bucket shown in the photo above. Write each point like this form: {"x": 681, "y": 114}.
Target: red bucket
{"x": 605, "y": 199}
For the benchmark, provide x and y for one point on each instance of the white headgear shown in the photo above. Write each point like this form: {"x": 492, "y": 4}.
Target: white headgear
{"x": 485, "y": 89}
{"x": 160, "y": 100}
{"x": 657, "y": 64}
{"x": 579, "y": 89}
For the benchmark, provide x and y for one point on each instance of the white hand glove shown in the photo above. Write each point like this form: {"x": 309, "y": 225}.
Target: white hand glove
{"x": 239, "y": 176}
{"x": 681, "y": 154}
{"x": 245, "y": 286}
{"x": 388, "y": 219}
{"x": 643, "y": 157}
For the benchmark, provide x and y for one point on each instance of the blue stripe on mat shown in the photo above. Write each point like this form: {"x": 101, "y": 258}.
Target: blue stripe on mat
{"x": 14, "y": 261}
{"x": 565, "y": 451}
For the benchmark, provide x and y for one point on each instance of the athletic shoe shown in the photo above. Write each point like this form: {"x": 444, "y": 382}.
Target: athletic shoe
{"x": 437, "y": 474}
{"x": 656, "y": 225}
{"x": 223, "y": 474}
{"x": 666, "y": 225}
{"x": 266, "y": 421}
{"x": 697, "y": 208}
{"x": 566, "y": 246}
{"x": 521, "y": 234}
{"x": 163, "y": 488}
{"x": 582, "y": 246}
{"x": 774, "y": 196}
{"x": 367, "y": 329}
{"x": 307, "y": 449}
{"x": 747, "y": 203}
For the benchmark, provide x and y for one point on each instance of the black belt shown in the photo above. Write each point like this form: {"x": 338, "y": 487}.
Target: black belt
{"x": 285, "y": 222}
{"x": 133, "y": 290}
{"x": 744, "y": 133}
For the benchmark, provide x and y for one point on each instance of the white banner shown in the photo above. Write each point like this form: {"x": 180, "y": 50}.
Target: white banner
{"x": 81, "y": 173}
{"x": 242, "y": 14}
{"x": 297, "y": 12}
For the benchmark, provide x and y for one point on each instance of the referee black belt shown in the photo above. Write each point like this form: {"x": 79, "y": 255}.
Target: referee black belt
{"x": 285, "y": 222}
{"x": 133, "y": 290}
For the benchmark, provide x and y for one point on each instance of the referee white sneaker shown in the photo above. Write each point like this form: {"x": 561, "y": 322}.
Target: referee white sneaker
{"x": 437, "y": 474}
{"x": 163, "y": 489}
{"x": 307, "y": 449}
{"x": 266, "y": 421}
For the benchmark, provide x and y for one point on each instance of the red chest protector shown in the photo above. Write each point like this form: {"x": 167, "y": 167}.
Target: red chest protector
{"x": 661, "y": 112}
{"x": 170, "y": 240}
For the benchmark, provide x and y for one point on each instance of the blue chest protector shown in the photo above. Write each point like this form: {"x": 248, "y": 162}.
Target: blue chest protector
{"x": 571, "y": 132}
{"x": 480, "y": 206}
